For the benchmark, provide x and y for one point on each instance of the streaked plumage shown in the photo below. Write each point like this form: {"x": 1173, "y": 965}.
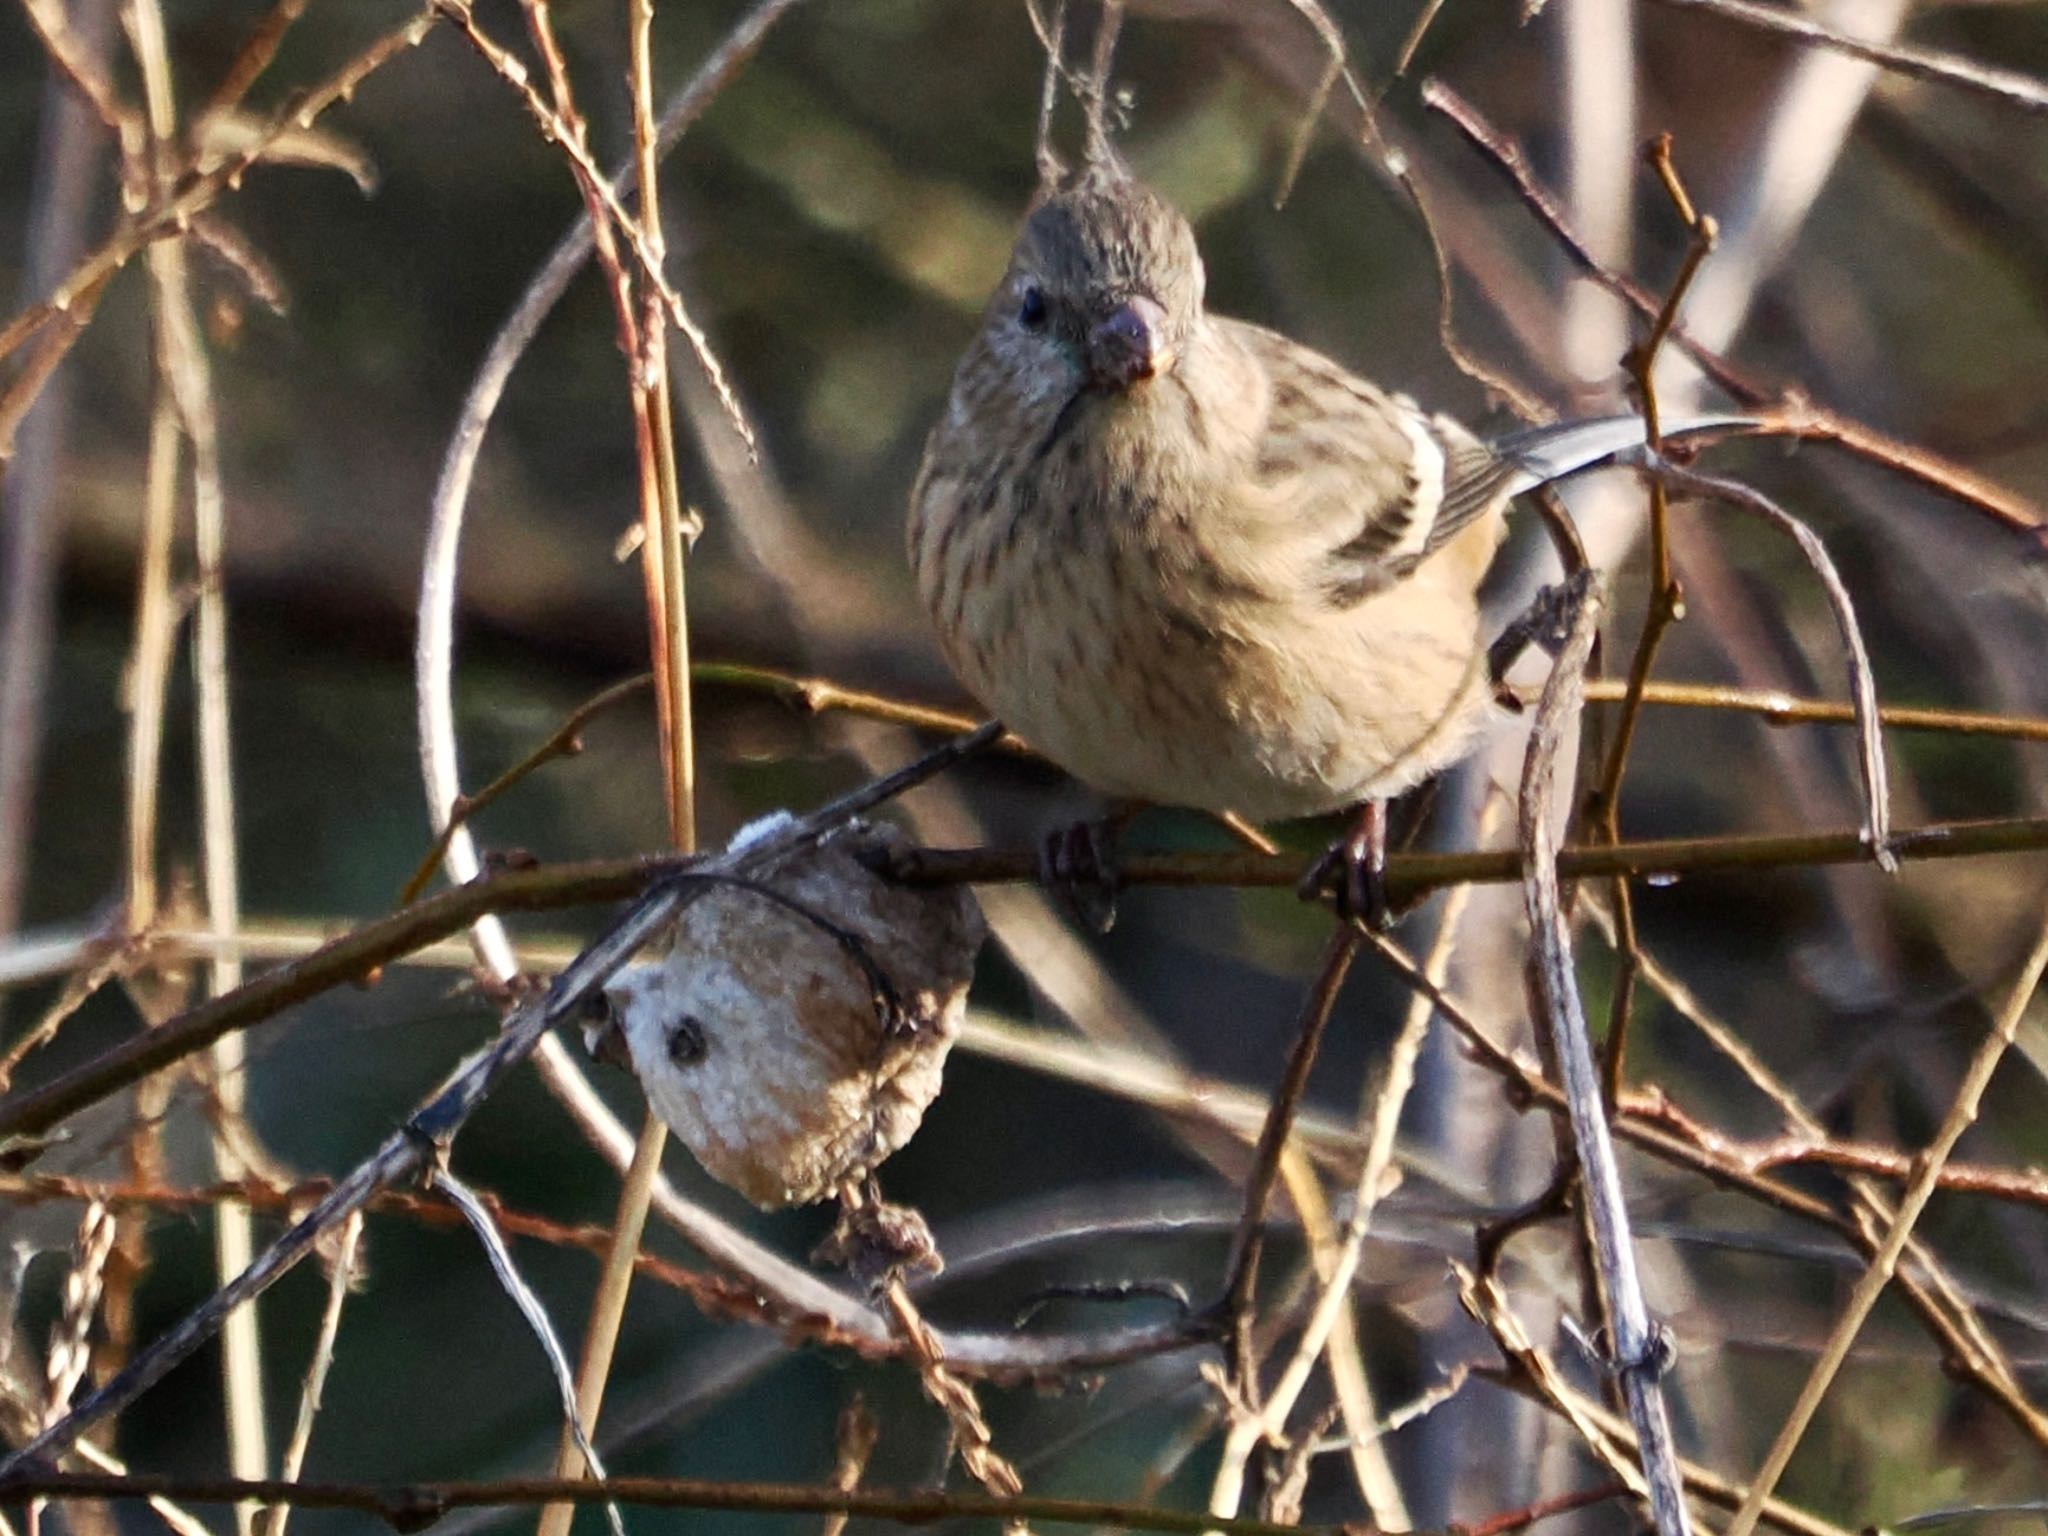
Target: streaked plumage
{"x": 1192, "y": 561}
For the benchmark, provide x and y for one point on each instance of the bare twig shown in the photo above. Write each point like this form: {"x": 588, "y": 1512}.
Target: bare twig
{"x": 537, "y": 1321}
{"x": 186, "y": 387}
{"x": 256, "y": 55}
{"x": 1052, "y": 36}
{"x": 556, "y": 130}
{"x": 972, "y": 1441}
{"x": 434, "y": 676}
{"x": 607, "y": 1312}
{"x": 1667, "y": 605}
{"x": 340, "y": 1276}
{"x": 80, "y": 288}
{"x": 79, "y": 55}
{"x": 413, "y": 1505}
{"x": 564, "y": 741}
{"x": 1333, "y": 1299}
{"x": 69, "y": 170}
{"x": 70, "y": 1337}
{"x": 99, "y": 965}
{"x": 1884, "y": 1263}
{"x": 1802, "y": 419}
{"x": 362, "y": 951}
{"x": 1241, "y": 1275}
{"x": 1636, "y": 1348}
{"x": 437, "y": 1120}
{"x": 1862, "y": 684}
{"x": 857, "y": 1436}
{"x": 1096, "y": 97}
{"x": 1530, "y": 1375}
{"x": 1416, "y": 874}
{"x": 1336, "y": 65}
{"x": 2007, "y": 87}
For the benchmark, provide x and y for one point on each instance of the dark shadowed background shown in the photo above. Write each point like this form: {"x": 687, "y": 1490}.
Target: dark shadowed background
{"x": 835, "y": 220}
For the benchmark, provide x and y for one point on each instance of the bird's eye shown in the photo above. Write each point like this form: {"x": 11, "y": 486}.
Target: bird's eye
{"x": 1031, "y": 308}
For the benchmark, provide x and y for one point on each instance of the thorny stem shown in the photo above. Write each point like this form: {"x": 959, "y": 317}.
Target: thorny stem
{"x": 78, "y": 291}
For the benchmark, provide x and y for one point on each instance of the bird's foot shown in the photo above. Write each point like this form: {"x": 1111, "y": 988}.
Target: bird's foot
{"x": 1545, "y": 623}
{"x": 1353, "y": 871}
{"x": 1079, "y": 862}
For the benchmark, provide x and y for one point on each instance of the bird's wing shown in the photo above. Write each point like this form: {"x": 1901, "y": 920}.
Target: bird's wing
{"x": 1378, "y": 485}
{"x": 1374, "y": 481}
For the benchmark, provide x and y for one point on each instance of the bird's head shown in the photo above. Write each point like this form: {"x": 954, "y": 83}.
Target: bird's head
{"x": 1104, "y": 287}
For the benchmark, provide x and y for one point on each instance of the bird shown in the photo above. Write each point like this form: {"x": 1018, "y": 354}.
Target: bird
{"x": 1194, "y": 562}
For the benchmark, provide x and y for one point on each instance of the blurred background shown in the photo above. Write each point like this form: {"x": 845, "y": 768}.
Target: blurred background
{"x": 835, "y": 220}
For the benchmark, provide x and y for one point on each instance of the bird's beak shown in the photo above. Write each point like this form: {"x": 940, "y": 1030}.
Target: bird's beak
{"x": 1129, "y": 344}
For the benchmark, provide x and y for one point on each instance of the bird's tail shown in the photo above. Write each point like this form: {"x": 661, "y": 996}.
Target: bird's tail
{"x": 1540, "y": 455}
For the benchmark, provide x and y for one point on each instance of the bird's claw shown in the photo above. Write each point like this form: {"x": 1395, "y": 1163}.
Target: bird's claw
{"x": 1353, "y": 871}
{"x": 1079, "y": 861}
{"x": 1546, "y": 623}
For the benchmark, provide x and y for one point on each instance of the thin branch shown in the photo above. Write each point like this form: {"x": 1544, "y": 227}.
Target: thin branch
{"x": 1666, "y": 606}
{"x": 413, "y": 1506}
{"x": 972, "y": 1440}
{"x": 1096, "y": 94}
{"x": 81, "y": 63}
{"x": 1506, "y": 157}
{"x": 340, "y": 1276}
{"x": 70, "y": 165}
{"x": 1416, "y": 874}
{"x": 1526, "y": 1086}
{"x": 1241, "y": 1274}
{"x": 1884, "y": 1263}
{"x": 1802, "y": 420}
{"x": 1052, "y": 36}
{"x": 2005, "y": 86}
{"x": 256, "y": 55}
{"x": 820, "y": 695}
{"x": 1701, "y": 1482}
{"x": 101, "y": 963}
{"x": 1636, "y": 1348}
{"x": 1336, "y": 65}
{"x": 1862, "y": 684}
{"x": 558, "y": 132}
{"x": 435, "y": 1123}
{"x": 199, "y": 191}
{"x": 1334, "y": 1294}
{"x": 858, "y": 1434}
{"x": 352, "y": 957}
{"x": 607, "y": 1312}
{"x": 435, "y": 648}
{"x": 566, "y": 740}
{"x": 360, "y": 952}
{"x": 530, "y": 1308}
{"x": 186, "y": 386}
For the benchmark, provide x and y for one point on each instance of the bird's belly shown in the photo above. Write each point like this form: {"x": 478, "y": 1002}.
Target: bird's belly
{"x": 1290, "y": 711}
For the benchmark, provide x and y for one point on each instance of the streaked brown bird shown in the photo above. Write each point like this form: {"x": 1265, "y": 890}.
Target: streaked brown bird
{"x": 1194, "y": 562}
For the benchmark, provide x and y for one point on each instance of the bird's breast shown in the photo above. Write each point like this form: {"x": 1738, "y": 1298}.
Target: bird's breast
{"x": 1070, "y": 577}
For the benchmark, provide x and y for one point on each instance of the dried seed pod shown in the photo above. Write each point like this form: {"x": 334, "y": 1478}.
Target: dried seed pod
{"x": 798, "y": 1025}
